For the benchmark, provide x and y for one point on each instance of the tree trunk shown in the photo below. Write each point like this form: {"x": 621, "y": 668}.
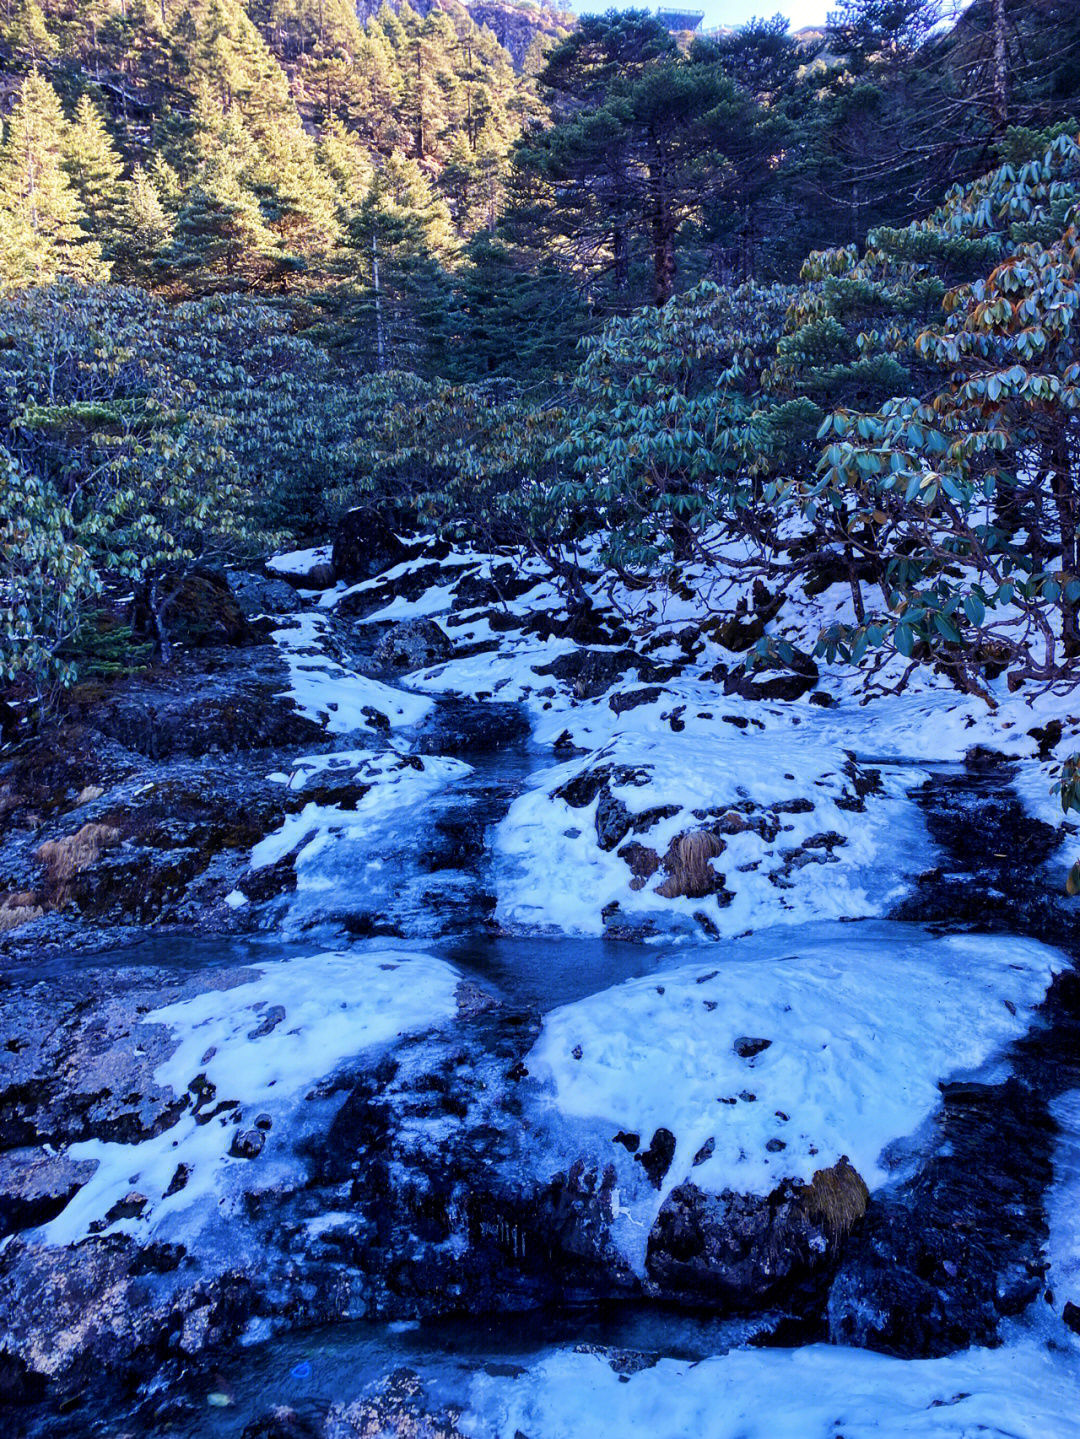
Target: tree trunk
{"x": 622, "y": 259}
{"x": 1001, "y": 66}
{"x": 380, "y": 344}
{"x": 663, "y": 229}
{"x": 420, "y": 136}
{"x": 855, "y": 586}
{"x": 1065, "y": 499}
{"x": 156, "y": 605}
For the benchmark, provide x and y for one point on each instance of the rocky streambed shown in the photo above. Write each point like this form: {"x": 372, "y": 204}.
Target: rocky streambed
{"x": 428, "y": 1000}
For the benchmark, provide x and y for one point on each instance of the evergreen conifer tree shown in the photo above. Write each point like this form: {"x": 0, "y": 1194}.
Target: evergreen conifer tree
{"x": 44, "y": 232}
{"x": 94, "y": 168}
{"x": 142, "y": 227}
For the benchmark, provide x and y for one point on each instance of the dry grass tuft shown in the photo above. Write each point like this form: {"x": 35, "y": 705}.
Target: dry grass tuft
{"x": 88, "y": 794}
{"x": 687, "y": 864}
{"x": 65, "y": 857}
{"x": 18, "y": 909}
{"x": 837, "y": 1196}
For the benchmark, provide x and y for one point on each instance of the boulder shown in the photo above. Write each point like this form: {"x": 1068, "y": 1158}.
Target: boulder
{"x": 200, "y": 609}
{"x": 412, "y": 644}
{"x": 365, "y": 545}
{"x": 774, "y": 683}
{"x": 745, "y": 1248}
{"x": 262, "y": 594}
{"x": 590, "y": 672}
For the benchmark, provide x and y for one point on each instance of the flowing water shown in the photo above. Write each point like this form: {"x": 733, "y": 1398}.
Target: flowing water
{"x": 424, "y": 878}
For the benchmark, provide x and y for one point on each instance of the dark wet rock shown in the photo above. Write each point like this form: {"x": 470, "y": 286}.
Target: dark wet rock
{"x": 80, "y": 1058}
{"x": 746, "y": 1047}
{"x": 271, "y": 1017}
{"x": 940, "y": 1260}
{"x": 35, "y": 1186}
{"x": 397, "y": 1410}
{"x": 743, "y": 1249}
{"x": 645, "y": 819}
{"x": 60, "y": 771}
{"x": 226, "y": 701}
{"x": 283, "y": 1422}
{"x": 309, "y": 571}
{"x": 130, "y": 1207}
{"x": 581, "y": 622}
{"x": 412, "y": 644}
{"x": 1000, "y": 870}
{"x": 632, "y": 699}
{"x": 459, "y": 727}
{"x": 1071, "y": 1316}
{"x": 656, "y": 1160}
{"x": 589, "y": 673}
{"x": 197, "y": 609}
{"x": 71, "y": 1315}
{"x": 505, "y": 584}
{"x": 247, "y": 1144}
{"x": 165, "y": 846}
{"x": 181, "y": 1175}
{"x": 643, "y": 862}
{"x": 471, "y": 1000}
{"x": 365, "y": 545}
{"x": 773, "y": 681}
{"x": 270, "y": 881}
{"x": 613, "y": 820}
{"x": 262, "y": 594}
{"x": 581, "y": 789}
{"x": 739, "y": 633}
{"x": 623, "y": 1362}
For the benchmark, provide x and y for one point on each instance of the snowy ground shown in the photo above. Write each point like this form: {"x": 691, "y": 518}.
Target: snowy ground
{"x": 251, "y": 1052}
{"x": 334, "y": 695}
{"x": 778, "y": 1059}
{"x": 769, "y": 1058}
{"x": 1023, "y": 1391}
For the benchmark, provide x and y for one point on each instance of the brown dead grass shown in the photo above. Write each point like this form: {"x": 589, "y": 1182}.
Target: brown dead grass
{"x": 88, "y": 794}
{"x": 65, "y": 857}
{"x": 837, "y": 1196}
{"x": 18, "y": 909}
{"x": 687, "y": 864}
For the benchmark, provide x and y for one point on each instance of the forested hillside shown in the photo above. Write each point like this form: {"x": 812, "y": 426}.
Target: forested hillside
{"x": 262, "y": 262}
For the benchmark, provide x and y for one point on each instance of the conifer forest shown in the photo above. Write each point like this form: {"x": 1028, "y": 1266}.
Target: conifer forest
{"x": 539, "y": 720}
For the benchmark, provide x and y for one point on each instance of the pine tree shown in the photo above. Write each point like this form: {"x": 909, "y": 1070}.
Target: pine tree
{"x": 401, "y": 232}
{"x": 44, "y": 234}
{"x": 220, "y": 237}
{"x": 27, "y": 35}
{"x": 142, "y": 228}
{"x": 94, "y": 168}
{"x": 344, "y": 159}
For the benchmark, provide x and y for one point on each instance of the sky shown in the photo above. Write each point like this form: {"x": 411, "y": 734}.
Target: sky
{"x": 735, "y": 12}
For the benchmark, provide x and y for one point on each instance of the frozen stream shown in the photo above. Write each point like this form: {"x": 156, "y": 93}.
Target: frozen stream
{"x": 764, "y": 1052}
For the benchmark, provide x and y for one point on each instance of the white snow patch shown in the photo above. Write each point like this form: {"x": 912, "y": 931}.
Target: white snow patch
{"x": 301, "y": 562}
{"x": 398, "y": 782}
{"x": 434, "y": 601}
{"x": 337, "y": 1006}
{"x": 860, "y": 1032}
{"x": 336, "y": 697}
{"x": 820, "y": 1392}
{"x": 702, "y": 769}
